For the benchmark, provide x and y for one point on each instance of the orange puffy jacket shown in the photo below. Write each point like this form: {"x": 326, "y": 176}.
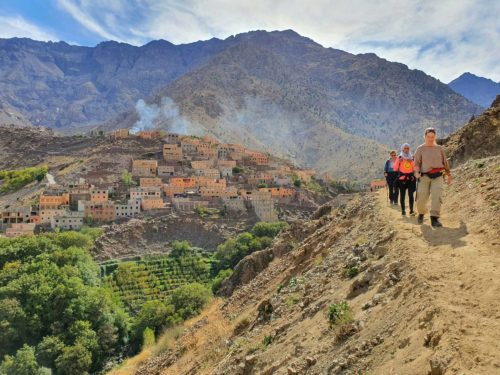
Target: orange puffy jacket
{"x": 404, "y": 166}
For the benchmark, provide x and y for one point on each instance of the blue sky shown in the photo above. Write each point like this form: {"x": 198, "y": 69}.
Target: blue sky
{"x": 444, "y": 38}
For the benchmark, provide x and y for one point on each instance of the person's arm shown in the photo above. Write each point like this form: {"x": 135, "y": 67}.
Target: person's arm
{"x": 386, "y": 168}
{"x": 395, "y": 167}
{"x": 446, "y": 166}
{"x": 417, "y": 163}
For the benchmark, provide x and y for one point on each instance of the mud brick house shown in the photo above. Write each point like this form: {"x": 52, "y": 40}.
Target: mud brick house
{"x": 259, "y": 178}
{"x": 70, "y": 220}
{"x": 203, "y": 181}
{"x": 258, "y": 158}
{"x": 102, "y": 212}
{"x": 53, "y": 201}
{"x": 206, "y": 150}
{"x": 145, "y": 192}
{"x": 218, "y": 192}
{"x": 152, "y": 203}
{"x": 226, "y": 163}
{"x": 184, "y": 182}
{"x": 149, "y": 134}
{"x": 224, "y": 150}
{"x": 119, "y": 133}
{"x": 98, "y": 195}
{"x": 20, "y": 215}
{"x": 150, "y": 182}
{"x": 172, "y": 138}
{"x": 171, "y": 191}
{"x": 20, "y": 229}
{"x": 209, "y": 172}
{"x": 202, "y": 164}
{"x": 189, "y": 144}
{"x": 280, "y": 193}
{"x": 47, "y": 214}
{"x": 172, "y": 152}
{"x": 166, "y": 171}
{"x": 144, "y": 168}
{"x": 132, "y": 208}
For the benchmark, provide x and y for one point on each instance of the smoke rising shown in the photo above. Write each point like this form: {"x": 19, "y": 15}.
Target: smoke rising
{"x": 165, "y": 116}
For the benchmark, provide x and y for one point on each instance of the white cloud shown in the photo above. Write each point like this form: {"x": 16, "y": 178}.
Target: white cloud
{"x": 17, "y": 26}
{"x": 443, "y": 38}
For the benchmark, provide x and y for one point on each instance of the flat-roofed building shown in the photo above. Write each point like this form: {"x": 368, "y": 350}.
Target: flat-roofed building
{"x": 172, "y": 152}
{"x": 20, "y": 229}
{"x": 98, "y": 195}
{"x": 152, "y": 203}
{"x": 166, "y": 171}
{"x": 132, "y": 208}
{"x": 103, "y": 212}
{"x": 150, "y": 182}
{"x": 144, "y": 168}
{"x": 145, "y": 192}
{"x": 53, "y": 201}
{"x": 69, "y": 220}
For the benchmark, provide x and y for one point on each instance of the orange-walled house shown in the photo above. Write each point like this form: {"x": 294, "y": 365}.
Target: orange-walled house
{"x": 203, "y": 181}
{"x": 16, "y": 216}
{"x": 210, "y": 140}
{"x": 53, "y": 201}
{"x": 279, "y": 192}
{"x": 47, "y": 214}
{"x": 98, "y": 195}
{"x": 377, "y": 184}
{"x": 144, "y": 168}
{"x": 103, "y": 212}
{"x": 189, "y": 145}
{"x": 226, "y": 163}
{"x": 150, "y": 182}
{"x": 149, "y": 134}
{"x": 152, "y": 203}
{"x": 183, "y": 182}
{"x": 202, "y": 164}
{"x": 258, "y": 158}
{"x": 170, "y": 191}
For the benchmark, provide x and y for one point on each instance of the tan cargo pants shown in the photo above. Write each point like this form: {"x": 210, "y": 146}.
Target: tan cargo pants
{"x": 433, "y": 187}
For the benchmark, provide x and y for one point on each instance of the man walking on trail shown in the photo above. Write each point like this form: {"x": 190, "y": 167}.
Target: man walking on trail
{"x": 430, "y": 168}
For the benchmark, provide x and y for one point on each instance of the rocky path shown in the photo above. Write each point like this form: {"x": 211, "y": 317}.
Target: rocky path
{"x": 462, "y": 270}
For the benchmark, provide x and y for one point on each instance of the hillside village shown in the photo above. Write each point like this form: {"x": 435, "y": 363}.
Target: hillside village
{"x": 193, "y": 174}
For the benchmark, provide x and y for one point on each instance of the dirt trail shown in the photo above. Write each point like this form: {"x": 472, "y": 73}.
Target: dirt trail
{"x": 462, "y": 270}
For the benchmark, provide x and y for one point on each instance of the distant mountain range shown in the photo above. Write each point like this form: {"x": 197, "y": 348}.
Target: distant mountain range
{"x": 479, "y": 90}
{"x": 278, "y": 91}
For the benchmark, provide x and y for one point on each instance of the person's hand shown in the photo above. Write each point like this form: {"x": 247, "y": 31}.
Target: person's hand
{"x": 417, "y": 175}
{"x": 385, "y": 174}
{"x": 449, "y": 180}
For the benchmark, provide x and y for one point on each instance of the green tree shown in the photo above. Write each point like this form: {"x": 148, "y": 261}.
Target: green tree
{"x": 74, "y": 360}
{"x": 48, "y": 350}
{"x": 189, "y": 299}
{"x": 127, "y": 178}
{"x": 23, "y": 363}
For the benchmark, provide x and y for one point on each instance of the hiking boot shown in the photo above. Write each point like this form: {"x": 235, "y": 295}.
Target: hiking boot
{"x": 435, "y": 222}
{"x": 420, "y": 219}
{"x": 412, "y": 213}
{"x": 403, "y": 213}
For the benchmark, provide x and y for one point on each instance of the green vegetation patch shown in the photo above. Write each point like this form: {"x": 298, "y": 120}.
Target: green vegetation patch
{"x": 14, "y": 180}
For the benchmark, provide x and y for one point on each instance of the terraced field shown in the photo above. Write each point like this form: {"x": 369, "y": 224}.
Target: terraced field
{"x": 154, "y": 277}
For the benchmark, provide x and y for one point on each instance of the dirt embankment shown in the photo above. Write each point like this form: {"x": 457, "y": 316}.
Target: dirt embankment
{"x": 423, "y": 302}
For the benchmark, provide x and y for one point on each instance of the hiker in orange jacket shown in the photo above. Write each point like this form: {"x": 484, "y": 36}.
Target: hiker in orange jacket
{"x": 406, "y": 181}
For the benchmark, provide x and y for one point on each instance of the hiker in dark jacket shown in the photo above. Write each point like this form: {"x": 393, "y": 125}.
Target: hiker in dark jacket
{"x": 391, "y": 176}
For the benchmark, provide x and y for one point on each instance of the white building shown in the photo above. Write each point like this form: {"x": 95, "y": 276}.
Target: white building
{"x": 69, "y": 220}
{"x": 132, "y": 208}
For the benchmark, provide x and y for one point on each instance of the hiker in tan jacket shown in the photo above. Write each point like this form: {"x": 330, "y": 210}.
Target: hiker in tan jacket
{"x": 431, "y": 167}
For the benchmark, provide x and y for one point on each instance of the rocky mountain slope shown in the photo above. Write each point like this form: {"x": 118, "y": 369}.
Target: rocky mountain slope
{"x": 319, "y": 106}
{"x": 66, "y": 86}
{"x": 408, "y": 299}
{"x": 276, "y": 91}
{"x": 478, "y": 90}
{"x": 9, "y": 116}
{"x": 479, "y": 138}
